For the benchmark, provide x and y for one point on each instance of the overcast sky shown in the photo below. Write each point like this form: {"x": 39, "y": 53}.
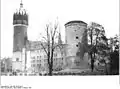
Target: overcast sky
{"x": 104, "y": 12}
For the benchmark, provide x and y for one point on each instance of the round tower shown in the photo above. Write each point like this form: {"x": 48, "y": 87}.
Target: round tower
{"x": 76, "y": 39}
{"x": 20, "y": 24}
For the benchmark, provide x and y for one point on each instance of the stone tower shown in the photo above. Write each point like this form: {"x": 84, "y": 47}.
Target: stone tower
{"x": 76, "y": 39}
{"x": 20, "y": 24}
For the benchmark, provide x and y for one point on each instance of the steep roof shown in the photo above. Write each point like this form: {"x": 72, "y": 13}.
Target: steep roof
{"x": 36, "y": 45}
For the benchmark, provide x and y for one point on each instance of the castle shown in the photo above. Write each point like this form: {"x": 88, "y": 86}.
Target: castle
{"x": 30, "y": 56}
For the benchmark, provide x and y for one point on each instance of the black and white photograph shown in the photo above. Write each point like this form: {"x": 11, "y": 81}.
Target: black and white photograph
{"x": 59, "y": 38}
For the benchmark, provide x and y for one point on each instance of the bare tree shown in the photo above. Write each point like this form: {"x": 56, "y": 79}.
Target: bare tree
{"x": 50, "y": 44}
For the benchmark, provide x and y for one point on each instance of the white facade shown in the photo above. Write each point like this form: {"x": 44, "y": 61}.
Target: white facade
{"x": 37, "y": 58}
{"x": 17, "y": 61}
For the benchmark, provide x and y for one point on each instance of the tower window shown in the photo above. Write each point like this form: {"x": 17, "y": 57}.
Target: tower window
{"x": 77, "y": 37}
{"x": 37, "y": 57}
{"x": 77, "y": 45}
{"x": 17, "y": 59}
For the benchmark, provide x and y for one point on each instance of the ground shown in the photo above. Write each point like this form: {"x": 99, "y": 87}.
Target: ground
{"x": 80, "y": 72}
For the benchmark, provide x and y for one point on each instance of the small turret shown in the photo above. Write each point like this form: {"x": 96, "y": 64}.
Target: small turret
{"x": 59, "y": 38}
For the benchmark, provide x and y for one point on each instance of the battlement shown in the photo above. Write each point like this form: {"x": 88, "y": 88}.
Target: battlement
{"x": 75, "y": 22}
{"x": 20, "y": 18}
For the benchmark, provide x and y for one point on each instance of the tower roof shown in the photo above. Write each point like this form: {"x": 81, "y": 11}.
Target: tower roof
{"x": 20, "y": 16}
{"x": 21, "y": 10}
{"x": 75, "y": 21}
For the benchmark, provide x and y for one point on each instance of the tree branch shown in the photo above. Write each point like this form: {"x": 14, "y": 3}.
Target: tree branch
{"x": 44, "y": 48}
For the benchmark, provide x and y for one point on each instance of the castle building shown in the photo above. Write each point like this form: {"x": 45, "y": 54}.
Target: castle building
{"x": 30, "y": 55}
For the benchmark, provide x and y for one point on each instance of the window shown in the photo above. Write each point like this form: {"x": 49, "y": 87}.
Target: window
{"x": 45, "y": 56}
{"x": 17, "y": 59}
{"x": 62, "y": 54}
{"x": 77, "y": 45}
{"x": 37, "y": 57}
{"x": 45, "y": 60}
{"x": 55, "y": 55}
{"x": 37, "y": 61}
{"x": 33, "y": 57}
{"x": 33, "y": 65}
{"x": 33, "y": 60}
{"x": 38, "y": 65}
{"x": 77, "y": 37}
